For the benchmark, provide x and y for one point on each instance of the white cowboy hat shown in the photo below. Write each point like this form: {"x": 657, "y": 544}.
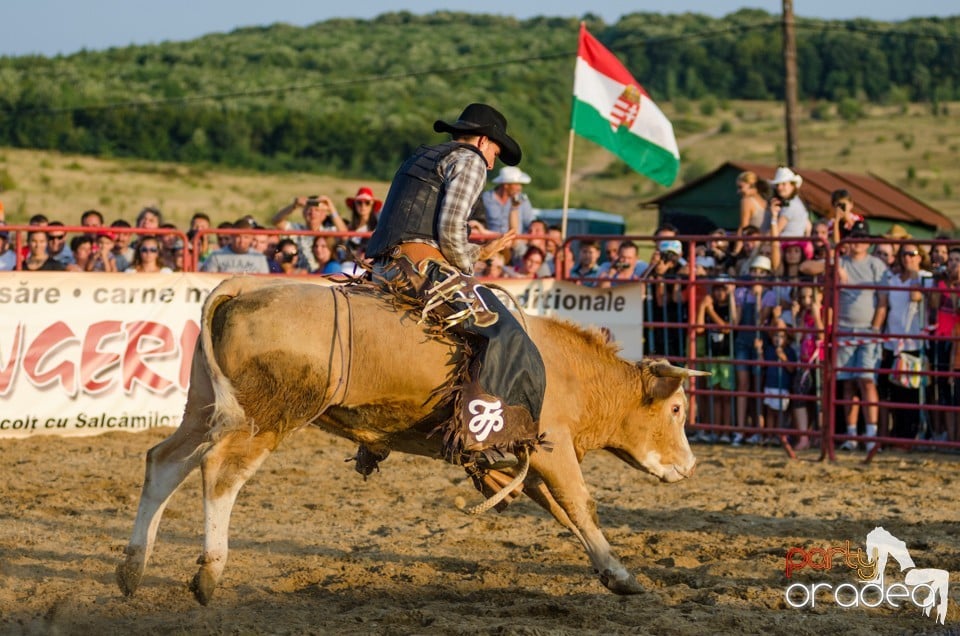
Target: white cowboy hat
{"x": 761, "y": 262}
{"x": 786, "y": 175}
{"x": 512, "y": 174}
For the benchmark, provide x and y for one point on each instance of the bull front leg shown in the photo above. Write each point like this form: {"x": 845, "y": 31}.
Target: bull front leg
{"x": 563, "y": 493}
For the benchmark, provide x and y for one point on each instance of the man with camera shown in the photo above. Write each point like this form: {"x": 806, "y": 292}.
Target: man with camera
{"x": 319, "y": 215}
{"x": 626, "y": 267}
{"x": 286, "y": 259}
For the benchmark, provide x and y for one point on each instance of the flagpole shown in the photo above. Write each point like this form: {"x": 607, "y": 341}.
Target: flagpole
{"x": 566, "y": 187}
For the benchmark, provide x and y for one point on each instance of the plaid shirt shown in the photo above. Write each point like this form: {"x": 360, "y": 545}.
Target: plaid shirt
{"x": 464, "y": 173}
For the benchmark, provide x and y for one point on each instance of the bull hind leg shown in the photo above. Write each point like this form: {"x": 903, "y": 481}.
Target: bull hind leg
{"x": 226, "y": 467}
{"x": 168, "y": 464}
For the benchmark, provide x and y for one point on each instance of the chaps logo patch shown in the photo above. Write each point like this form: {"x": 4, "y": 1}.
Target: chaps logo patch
{"x": 487, "y": 418}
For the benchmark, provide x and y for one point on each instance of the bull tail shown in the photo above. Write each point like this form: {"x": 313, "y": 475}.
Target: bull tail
{"x": 228, "y": 414}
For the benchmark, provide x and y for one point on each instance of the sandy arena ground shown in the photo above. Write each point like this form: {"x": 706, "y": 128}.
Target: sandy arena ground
{"x": 316, "y": 550}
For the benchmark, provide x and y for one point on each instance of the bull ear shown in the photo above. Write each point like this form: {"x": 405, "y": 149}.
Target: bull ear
{"x": 661, "y": 379}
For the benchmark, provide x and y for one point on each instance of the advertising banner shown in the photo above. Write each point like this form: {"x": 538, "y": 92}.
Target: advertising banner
{"x": 82, "y": 354}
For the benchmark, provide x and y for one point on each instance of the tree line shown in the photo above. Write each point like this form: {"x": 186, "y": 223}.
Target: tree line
{"x": 352, "y": 97}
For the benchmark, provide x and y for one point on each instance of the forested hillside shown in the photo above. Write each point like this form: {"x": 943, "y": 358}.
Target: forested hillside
{"x": 353, "y": 96}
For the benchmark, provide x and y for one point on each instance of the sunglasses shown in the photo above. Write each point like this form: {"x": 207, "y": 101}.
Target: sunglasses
{"x": 362, "y": 202}
{"x": 911, "y": 253}
{"x": 58, "y": 237}
{"x": 149, "y": 250}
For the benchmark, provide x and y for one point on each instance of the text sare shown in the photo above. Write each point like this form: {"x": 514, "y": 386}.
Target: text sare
{"x": 107, "y": 354}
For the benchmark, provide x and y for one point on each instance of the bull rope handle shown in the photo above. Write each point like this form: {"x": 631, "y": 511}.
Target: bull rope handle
{"x": 502, "y": 494}
{"x": 513, "y": 299}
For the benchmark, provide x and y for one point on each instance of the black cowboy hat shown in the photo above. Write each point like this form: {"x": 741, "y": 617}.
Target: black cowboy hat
{"x": 481, "y": 119}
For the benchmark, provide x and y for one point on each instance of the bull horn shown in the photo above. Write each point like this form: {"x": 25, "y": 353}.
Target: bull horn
{"x": 667, "y": 370}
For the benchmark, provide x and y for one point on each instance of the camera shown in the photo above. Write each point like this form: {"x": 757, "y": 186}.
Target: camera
{"x": 288, "y": 258}
{"x": 621, "y": 265}
{"x": 312, "y": 202}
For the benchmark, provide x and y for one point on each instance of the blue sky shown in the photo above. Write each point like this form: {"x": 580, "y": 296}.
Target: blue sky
{"x": 49, "y": 27}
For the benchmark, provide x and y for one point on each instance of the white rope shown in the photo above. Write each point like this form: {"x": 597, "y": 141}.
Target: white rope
{"x": 503, "y": 493}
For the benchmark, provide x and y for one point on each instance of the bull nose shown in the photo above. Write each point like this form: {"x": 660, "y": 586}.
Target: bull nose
{"x": 688, "y": 470}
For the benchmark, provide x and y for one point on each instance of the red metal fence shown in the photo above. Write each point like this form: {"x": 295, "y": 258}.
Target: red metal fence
{"x": 679, "y": 336}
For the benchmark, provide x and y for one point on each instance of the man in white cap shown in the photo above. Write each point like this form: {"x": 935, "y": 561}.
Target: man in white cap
{"x": 508, "y": 208}
{"x": 785, "y": 208}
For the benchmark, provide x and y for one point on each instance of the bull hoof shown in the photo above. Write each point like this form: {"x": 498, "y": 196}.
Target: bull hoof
{"x": 129, "y": 574}
{"x": 202, "y": 586}
{"x": 623, "y": 586}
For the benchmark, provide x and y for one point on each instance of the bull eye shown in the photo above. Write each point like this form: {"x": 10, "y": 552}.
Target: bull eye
{"x": 676, "y": 409}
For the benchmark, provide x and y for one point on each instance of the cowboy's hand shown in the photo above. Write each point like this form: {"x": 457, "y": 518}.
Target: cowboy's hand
{"x": 498, "y": 244}
{"x": 476, "y": 226}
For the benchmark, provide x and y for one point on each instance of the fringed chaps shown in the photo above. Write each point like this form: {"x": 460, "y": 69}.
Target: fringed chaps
{"x": 497, "y": 409}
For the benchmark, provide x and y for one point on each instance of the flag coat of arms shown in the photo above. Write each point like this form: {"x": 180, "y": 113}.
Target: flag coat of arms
{"x": 611, "y": 108}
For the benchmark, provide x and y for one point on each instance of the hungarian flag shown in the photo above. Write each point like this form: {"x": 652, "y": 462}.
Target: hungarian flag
{"x": 612, "y": 109}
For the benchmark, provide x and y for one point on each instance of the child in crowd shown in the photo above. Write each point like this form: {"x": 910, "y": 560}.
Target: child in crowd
{"x": 808, "y": 319}
{"x": 715, "y": 314}
{"x": 775, "y": 349}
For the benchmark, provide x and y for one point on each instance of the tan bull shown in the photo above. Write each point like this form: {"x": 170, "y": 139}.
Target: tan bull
{"x": 274, "y": 357}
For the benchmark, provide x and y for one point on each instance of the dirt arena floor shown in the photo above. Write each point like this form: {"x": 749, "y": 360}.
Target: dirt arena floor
{"x": 316, "y": 550}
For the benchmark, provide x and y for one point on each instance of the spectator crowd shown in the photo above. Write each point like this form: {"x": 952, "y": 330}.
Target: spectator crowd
{"x": 758, "y": 309}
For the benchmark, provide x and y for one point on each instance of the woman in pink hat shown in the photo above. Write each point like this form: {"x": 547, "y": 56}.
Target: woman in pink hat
{"x": 364, "y": 209}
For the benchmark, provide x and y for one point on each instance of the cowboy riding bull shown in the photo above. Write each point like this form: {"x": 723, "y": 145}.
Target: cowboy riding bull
{"x": 373, "y": 373}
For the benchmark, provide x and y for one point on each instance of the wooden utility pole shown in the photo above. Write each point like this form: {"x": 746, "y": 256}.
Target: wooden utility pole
{"x": 790, "y": 84}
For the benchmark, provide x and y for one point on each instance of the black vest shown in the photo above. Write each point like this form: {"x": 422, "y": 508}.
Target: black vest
{"x": 412, "y": 207}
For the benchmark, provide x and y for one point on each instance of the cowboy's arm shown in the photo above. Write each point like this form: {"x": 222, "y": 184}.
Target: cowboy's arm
{"x": 464, "y": 173}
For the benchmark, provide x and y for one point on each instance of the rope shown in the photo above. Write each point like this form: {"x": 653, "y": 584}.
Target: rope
{"x": 346, "y": 359}
{"x": 503, "y": 493}
{"x": 346, "y": 368}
